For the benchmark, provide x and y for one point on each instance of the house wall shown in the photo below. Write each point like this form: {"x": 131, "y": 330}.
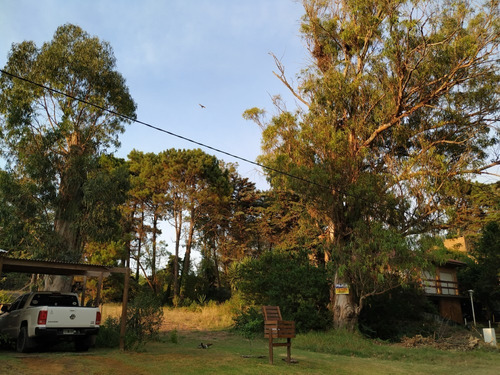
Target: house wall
{"x": 442, "y": 287}
{"x": 451, "y": 309}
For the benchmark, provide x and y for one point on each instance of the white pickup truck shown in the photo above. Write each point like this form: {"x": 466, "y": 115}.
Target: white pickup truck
{"x": 39, "y": 317}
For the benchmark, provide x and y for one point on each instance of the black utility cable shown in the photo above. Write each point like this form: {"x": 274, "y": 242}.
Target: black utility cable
{"x": 165, "y": 131}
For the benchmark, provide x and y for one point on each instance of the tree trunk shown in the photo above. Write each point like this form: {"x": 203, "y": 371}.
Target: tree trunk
{"x": 153, "y": 260}
{"x": 70, "y": 239}
{"x": 57, "y": 283}
{"x": 187, "y": 256}
{"x": 178, "y": 228}
{"x": 216, "y": 266}
{"x": 139, "y": 245}
{"x": 345, "y": 309}
{"x": 65, "y": 222}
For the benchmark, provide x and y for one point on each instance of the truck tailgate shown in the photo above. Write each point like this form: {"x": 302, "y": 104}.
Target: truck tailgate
{"x": 71, "y": 317}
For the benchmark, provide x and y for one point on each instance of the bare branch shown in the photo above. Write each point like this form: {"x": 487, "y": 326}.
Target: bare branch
{"x": 281, "y": 76}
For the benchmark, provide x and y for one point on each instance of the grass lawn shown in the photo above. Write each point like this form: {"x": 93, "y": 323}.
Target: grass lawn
{"x": 323, "y": 353}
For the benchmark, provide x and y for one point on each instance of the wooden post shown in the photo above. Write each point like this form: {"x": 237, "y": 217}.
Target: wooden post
{"x": 270, "y": 348}
{"x": 123, "y": 323}
{"x": 1, "y": 264}
{"x": 99, "y": 287}
{"x": 289, "y": 350}
{"x": 84, "y": 287}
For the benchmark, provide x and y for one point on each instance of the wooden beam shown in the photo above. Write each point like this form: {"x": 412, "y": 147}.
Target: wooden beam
{"x": 99, "y": 288}
{"x": 53, "y": 268}
{"x": 84, "y": 288}
{"x": 123, "y": 323}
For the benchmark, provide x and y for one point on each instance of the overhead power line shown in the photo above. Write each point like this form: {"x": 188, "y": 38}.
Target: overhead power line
{"x": 185, "y": 138}
{"x": 165, "y": 131}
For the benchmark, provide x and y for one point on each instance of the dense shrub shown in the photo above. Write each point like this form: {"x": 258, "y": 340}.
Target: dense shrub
{"x": 290, "y": 282}
{"x": 109, "y": 334}
{"x": 144, "y": 320}
{"x": 249, "y": 322}
{"x": 395, "y": 314}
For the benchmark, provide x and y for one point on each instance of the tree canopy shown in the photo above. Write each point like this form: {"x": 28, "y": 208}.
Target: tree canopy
{"x": 398, "y": 109}
{"x": 52, "y": 141}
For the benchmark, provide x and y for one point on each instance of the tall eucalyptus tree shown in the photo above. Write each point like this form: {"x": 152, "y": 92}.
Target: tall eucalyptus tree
{"x": 52, "y": 140}
{"x": 399, "y": 105}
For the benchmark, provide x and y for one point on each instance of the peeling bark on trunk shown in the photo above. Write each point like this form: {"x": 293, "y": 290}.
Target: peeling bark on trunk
{"x": 57, "y": 283}
{"x": 65, "y": 223}
{"x": 345, "y": 309}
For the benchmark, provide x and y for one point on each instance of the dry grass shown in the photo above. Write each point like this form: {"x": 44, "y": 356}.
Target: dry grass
{"x": 211, "y": 317}
{"x": 113, "y": 310}
{"x": 204, "y": 318}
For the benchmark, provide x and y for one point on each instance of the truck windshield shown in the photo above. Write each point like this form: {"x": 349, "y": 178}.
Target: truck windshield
{"x": 54, "y": 300}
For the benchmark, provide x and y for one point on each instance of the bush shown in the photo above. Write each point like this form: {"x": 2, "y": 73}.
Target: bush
{"x": 300, "y": 290}
{"x": 174, "y": 339}
{"x": 144, "y": 320}
{"x": 395, "y": 314}
{"x": 109, "y": 334}
{"x": 249, "y": 322}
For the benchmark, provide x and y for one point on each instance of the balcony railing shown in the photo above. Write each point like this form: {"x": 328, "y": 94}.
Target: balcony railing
{"x": 440, "y": 287}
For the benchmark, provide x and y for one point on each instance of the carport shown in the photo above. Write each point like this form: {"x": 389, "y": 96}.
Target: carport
{"x": 44, "y": 267}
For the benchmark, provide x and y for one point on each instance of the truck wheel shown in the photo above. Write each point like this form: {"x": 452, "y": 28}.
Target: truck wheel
{"x": 24, "y": 343}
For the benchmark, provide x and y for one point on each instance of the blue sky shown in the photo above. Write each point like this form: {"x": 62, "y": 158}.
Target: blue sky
{"x": 175, "y": 54}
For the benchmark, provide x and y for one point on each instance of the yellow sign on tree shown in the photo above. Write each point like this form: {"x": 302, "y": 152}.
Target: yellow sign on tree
{"x": 341, "y": 289}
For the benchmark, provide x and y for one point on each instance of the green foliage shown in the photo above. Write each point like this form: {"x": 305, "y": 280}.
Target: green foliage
{"x": 52, "y": 142}
{"x": 285, "y": 224}
{"x": 211, "y": 284}
{"x": 6, "y": 297}
{"x": 297, "y": 287}
{"x": 483, "y": 271}
{"x": 144, "y": 320}
{"x": 14, "y": 281}
{"x": 25, "y": 225}
{"x": 180, "y": 186}
{"x": 249, "y": 322}
{"x": 104, "y": 192}
{"x": 174, "y": 338}
{"x": 397, "y": 111}
{"x": 477, "y": 205}
{"x": 397, "y": 313}
{"x": 377, "y": 259}
{"x": 109, "y": 334}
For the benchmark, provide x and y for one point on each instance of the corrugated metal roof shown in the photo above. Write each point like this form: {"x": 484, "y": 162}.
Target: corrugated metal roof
{"x": 54, "y": 267}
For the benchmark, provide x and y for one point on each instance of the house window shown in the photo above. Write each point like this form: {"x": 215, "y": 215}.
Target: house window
{"x": 429, "y": 283}
{"x": 447, "y": 283}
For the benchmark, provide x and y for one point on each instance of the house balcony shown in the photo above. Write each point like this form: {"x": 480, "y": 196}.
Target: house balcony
{"x": 440, "y": 288}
